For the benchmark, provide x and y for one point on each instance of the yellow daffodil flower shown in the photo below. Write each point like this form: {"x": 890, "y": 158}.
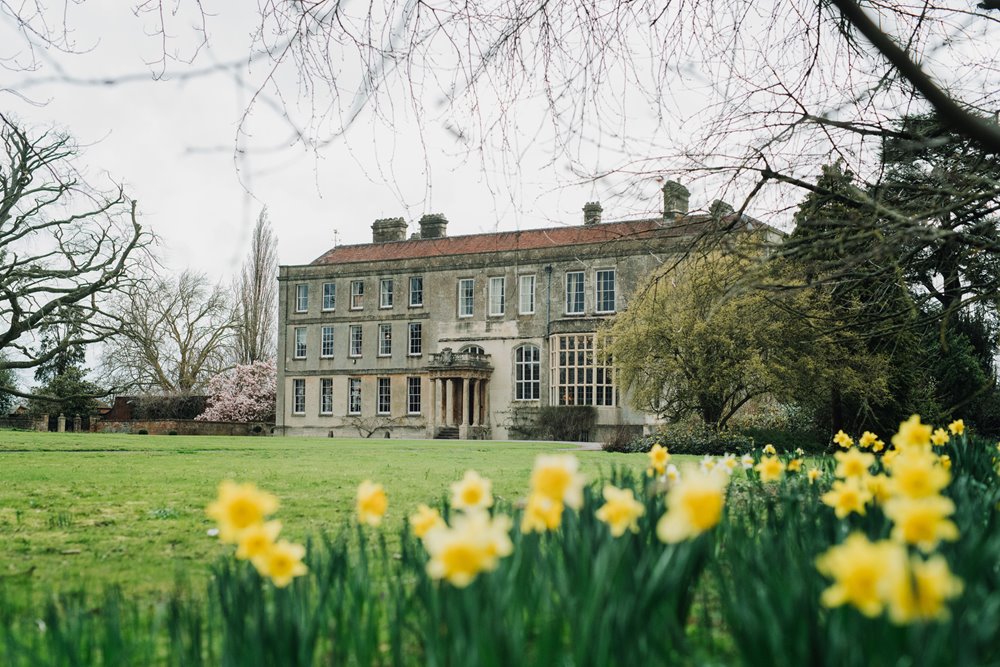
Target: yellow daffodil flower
{"x": 694, "y": 505}
{"x": 472, "y": 492}
{"x": 912, "y": 434}
{"x": 922, "y": 522}
{"x": 541, "y": 514}
{"x": 813, "y": 474}
{"x": 658, "y": 459}
{"x": 621, "y": 511}
{"x": 939, "y": 437}
{"x": 922, "y": 594}
{"x": 847, "y": 496}
{"x": 917, "y": 474}
{"x": 238, "y": 507}
{"x": 257, "y": 539}
{"x": 282, "y": 563}
{"x": 424, "y": 520}
{"x": 853, "y": 463}
{"x": 372, "y": 503}
{"x": 769, "y": 450}
{"x": 770, "y": 469}
{"x": 558, "y": 478}
{"x": 867, "y": 439}
{"x": 957, "y": 427}
{"x": 864, "y": 573}
{"x": 843, "y": 440}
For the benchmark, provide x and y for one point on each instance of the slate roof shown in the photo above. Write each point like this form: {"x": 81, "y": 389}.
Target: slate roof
{"x": 529, "y": 239}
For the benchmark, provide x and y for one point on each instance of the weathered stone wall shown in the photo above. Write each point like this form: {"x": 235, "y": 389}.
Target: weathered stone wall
{"x": 498, "y": 336}
{"x": 181, "y": 427}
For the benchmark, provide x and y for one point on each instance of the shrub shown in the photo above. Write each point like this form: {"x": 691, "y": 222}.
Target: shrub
{"x": 142, "y": 431}
{"x": 566, "y": 422}
{"x": 690, "y": 437}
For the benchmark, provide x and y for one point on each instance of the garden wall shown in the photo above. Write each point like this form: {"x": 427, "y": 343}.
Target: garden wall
{"x": 180, "y": 427}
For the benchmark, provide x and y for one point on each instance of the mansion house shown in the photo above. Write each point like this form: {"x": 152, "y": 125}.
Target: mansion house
{"x": 464, "y": 336}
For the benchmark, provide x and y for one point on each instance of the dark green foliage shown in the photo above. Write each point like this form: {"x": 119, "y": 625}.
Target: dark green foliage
{"x": 692, "y": 437}
{"x": 68, "y": 393}
{"x": 167, "y": 406}
{"x": 565, "y": 422}
{"x": 8, "y": 380}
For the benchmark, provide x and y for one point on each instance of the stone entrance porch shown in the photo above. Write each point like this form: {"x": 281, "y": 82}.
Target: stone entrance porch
{"x": 459, "y": 388}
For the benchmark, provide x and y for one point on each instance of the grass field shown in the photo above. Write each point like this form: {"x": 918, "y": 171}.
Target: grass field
{"x": 98, "y": 509}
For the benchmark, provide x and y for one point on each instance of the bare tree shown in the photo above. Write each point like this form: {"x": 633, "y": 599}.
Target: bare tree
{"x": 66, "y": 249}
{"x": 176, "y": 334}
{"x": 257, "y": 296}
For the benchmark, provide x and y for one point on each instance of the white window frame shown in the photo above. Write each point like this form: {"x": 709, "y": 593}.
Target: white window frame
{"x": 326, "y": 351}
{"x": 355, "y": 335}
{"x": 419, "y": 293}
{"x": 354, "y": 396}
{"x": 498, "y": 296}
{"x": 581, "y": 292}
{"x": 471, "y": 284}
{"x": 302, "y": 298}
{"x": 600, "y": 291}
{"x": 357, "y": 294}
{"x": 385, "y": 340}
{"x": 413, "y": 397}
{"x": 298, "y": 396}
{"x": 418, "y": 349}
{"x": 386, "y": 290}
{"x": 527, "y": 373}
{"x": 529, "y": 292}
{"x": 326, "y": 396}
{"x": 300, "y": 345}
{"x": 383, "y": 396}
{"x": 577, "y": 369}
{"x": 329, "y": 297}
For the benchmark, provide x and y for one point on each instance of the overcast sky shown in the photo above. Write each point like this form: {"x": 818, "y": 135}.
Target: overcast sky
{"x": 173, "y": 144}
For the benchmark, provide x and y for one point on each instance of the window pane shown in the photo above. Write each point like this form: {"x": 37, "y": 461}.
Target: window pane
{"x": 497, "y": 297}
{"x": 413, "y": 396}
{"x": 384, "y": 340}
{"x": 355, "y": 349}
{"x": 526, "y": 295}
{"x": 301, "y": 298}
{"x": 357, "y": 294}
{"x": 298, "y": 396}
{"x": 466, "y": 291}
{"x": 329, "y": 296}
{"x": 417, "y": 291}
{"x": 326, "y": 345}
{"x": 385, "y": 293}
{"x": 416, "y": 339}
{"x": 354, "y": 396}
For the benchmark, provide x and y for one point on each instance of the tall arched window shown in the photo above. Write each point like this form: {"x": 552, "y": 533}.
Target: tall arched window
{"x": 527, "y": 373}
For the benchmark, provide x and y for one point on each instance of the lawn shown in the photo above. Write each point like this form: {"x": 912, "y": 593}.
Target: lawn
{"x": 102, "y": 508}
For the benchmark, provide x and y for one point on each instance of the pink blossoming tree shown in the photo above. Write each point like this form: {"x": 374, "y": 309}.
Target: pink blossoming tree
{"x": 245, "y": 393}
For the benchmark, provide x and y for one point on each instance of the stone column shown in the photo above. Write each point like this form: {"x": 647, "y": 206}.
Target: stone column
{"x": 432, "y": 410}
{"x": 77, "y": 423}
{"x": 449, "y": 403}
{"x": 43, "y": 423}
{"x": 475, "y": 401}
{"x": 486, "y": 403}
{"x": 61, "y": 427}
{"x": 464, "y": 428}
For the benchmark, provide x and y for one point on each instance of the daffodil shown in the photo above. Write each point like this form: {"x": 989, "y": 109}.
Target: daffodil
{"x": 912, "y": 434}
{"x": 257, "y": 539}
{"x": 541, "y": 514}
{"x": 864, "y": 573}
{"x": 707, "y": 464}
{"x": 843, "y": 440}
{"x": 813, "y": 474}
{"x": 238, "y": 507}
{"x": 424, "y": 520}
{"x": 372, "y": 503}
{"x": 672, "y": 473}
{"x": 747, "y": 461}
{"x": 922, "y": 522}
{"x": 939, "y": 437}
{"x": 658, "y": 459}
{"x": 694, "y": 505}
{"x": 878, "y": 446}
{"x": 621, "y": 511}
{"x": 728, "y": 463}
{"x": 923, "y": 593}
{"x": 879, "y": 486}
{"x": 945, "y": 461}
{"x": 770, "y": 469}
{"x": 473, "y": 544}
{"x": 769, "y": 450}
{"x": 957, "y": 427}
{"x": 558, "y": 478}
{"x": 282, "y": 563}
{"x": 795, "y": 465}
{"x": 867, "y": 439}
{"x": 472, "y": 492}
{"x": 853, "y": 463}
{"x": 847, "y": 496}
{"x": 918, "y": 474}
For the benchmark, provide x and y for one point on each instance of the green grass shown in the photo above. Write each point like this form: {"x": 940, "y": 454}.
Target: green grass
{"x": 99, "y": 509}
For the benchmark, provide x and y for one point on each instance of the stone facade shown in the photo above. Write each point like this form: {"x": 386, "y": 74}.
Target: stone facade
{"x": 463, "y": 336}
